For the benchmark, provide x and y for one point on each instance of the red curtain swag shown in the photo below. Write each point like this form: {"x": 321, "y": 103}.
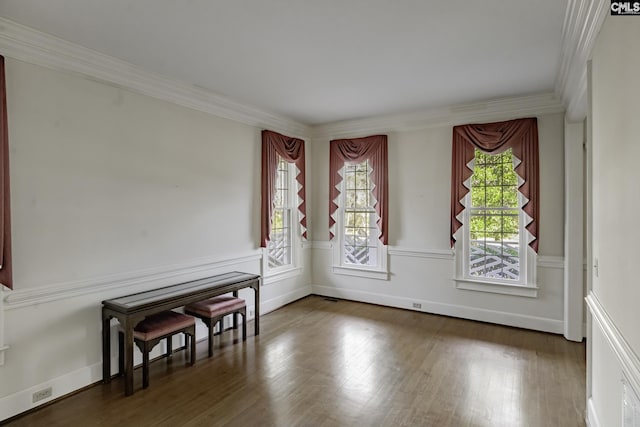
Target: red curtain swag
{"x": 373, "y": 148}
{"x": 6, "y": 273}
{"x": 494, "y": 138}
{"x": 292, "y": 151}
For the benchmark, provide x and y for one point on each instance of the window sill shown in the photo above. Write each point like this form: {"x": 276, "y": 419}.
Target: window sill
{"x": 361, "y": 272}
{"x": 278, "y": 275}
{"x": 497, "y": 288}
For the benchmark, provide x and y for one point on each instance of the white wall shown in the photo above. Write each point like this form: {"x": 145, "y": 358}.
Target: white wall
{"x": 113, "y": 193}
{"x": 616, "y": 203}
{"x": 420, "y": 262}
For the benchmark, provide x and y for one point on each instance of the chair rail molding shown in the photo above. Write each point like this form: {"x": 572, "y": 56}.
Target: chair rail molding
{"x": 134, "y": 281}
{"x": 446, "y": 254}
{"x": 556, "y": 262}
{"x": 629, "y": 361}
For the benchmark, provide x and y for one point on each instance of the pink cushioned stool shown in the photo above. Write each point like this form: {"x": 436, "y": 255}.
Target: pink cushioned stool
{"x": 149, "y": 332}
{"x": 213, "y": 310}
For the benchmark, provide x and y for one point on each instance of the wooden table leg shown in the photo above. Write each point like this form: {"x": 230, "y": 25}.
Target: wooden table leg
{"x": 235, "y": 315}
{"x": 106, "y": 348}
{"x": 256, "y": 319}
{"x": 128, "y": 357}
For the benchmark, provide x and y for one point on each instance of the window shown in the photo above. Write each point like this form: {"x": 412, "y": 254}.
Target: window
{"x": 359, "y": 251}
{"x": 360, "y": 242}
{"x": 283, "y": 222}
{"x": 494, "y": 223}
{"x": 279, "y": 247}
{"x": 358, "y": 206}
{"x": 494, "y": 248}
{"x": 495, "y": 193}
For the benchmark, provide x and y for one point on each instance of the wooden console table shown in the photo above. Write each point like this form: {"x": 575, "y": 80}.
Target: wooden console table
{"x": 131, "y": 309}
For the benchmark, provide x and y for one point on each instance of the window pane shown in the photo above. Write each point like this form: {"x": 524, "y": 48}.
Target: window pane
{"x": 349, "y": 181}
{"x": 510, "y": 177}
{"x": 350, "y": 198}
{"x": 349, "y": 219}
{"x": 510, "y": 224}
{"x": 510, "y": 196}
{"x": 494, "y": 195}
{"x": 279, "y": 248}
{"x": 362, "y": 199}
{"x": 494, "y": 218}
{"x": 478, "y": 176}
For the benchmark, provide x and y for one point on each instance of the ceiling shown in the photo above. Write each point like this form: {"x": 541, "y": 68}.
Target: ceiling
{"x": 318, "y": 62}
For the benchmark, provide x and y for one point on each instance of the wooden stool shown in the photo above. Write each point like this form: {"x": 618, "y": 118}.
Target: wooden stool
{"x": 213, "y": 310}
{"x": 153, "y": 329}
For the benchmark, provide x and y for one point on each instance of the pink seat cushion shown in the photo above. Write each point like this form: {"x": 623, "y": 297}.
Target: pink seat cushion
{"x": 160, "y": 324}
{"x": 217, "y": 306}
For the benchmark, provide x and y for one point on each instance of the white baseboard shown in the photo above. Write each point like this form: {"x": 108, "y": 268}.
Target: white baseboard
{"x": 465, "y": 312}
{"x": 284, "y": 299}
{"x": 21, "y": 401}
{"x": 592, "y": 417}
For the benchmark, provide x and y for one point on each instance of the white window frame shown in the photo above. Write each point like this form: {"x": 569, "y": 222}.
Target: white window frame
{"x": 379, "y": 270}
{"x": 526, "y": 285}
{"x": 292, "y": 269}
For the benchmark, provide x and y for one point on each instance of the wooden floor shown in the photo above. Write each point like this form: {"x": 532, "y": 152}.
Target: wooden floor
{"x": 323, "y": 363}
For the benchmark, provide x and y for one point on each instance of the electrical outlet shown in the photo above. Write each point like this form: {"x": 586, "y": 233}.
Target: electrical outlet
{"x": 42, "y": 394}
{"x": 417, "y": 305}
{"x": 251, "y": 313}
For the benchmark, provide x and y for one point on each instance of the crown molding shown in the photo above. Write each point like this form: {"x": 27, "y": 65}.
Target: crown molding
{"x": 492, "y": 110}
{"x": 582, "y": 23}
{"x": 29, "y": 45}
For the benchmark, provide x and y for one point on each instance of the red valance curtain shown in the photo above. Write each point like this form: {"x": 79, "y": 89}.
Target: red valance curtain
{"x": 522, "y": 137}
{"x": 374, "y": 149}
{"x": 292, "y": 151}
{"x": 6, "y": 273}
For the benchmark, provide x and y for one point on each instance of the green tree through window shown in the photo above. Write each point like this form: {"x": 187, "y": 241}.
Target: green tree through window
{"x": 494, "y": 244}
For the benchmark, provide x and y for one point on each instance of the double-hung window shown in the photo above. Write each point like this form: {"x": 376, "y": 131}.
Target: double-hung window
{"x": 494, "y": 227}
{"x": 359, "y": 243}
{"x": 358, "y": 209}
{"x": 495, "y": 256}
{"x": 283, "y": 209}
{"x": 280, "y": 248}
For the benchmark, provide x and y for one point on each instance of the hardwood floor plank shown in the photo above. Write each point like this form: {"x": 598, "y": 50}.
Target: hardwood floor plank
{"x": 323, "y": 363}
